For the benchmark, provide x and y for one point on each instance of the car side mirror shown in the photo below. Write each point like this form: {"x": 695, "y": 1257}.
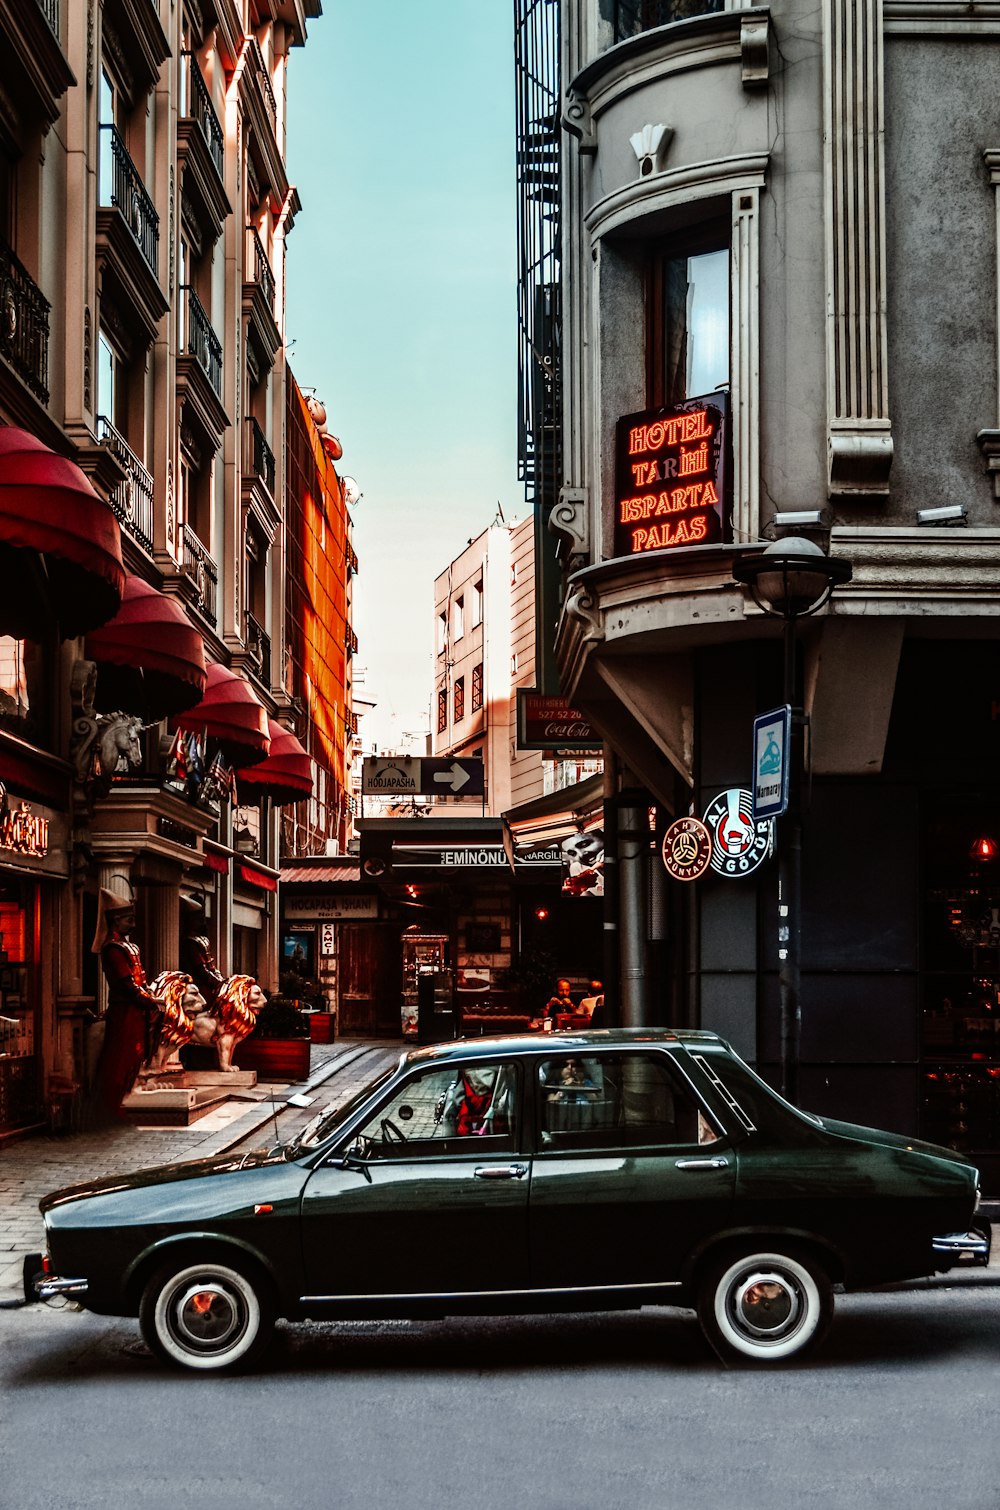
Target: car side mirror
{"x": 354, "y": 1158}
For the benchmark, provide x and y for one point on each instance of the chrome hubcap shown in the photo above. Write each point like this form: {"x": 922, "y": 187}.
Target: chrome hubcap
{"x": 766, "y": 1305}
{"x": 206, "y": 1316}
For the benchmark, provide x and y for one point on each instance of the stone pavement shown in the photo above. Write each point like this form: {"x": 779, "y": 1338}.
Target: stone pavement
{"x": 32, "y": 1166}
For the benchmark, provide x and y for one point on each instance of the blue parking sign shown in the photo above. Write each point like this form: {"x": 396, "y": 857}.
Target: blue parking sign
{"x": 772, "y": 739}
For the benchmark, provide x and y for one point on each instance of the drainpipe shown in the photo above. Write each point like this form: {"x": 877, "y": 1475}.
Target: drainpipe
{"x": 633, "y": 885}
{"x": 612, "y": 1014}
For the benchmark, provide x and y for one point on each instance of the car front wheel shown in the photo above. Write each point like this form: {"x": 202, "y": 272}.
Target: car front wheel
{"x": 765, "y": 1306}
{"x": 206, "y": 1316}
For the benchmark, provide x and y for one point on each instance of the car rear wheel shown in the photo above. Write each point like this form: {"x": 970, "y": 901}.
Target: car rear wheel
{"x": 766, "y": 1306}
{"x": 207, "y": 1316}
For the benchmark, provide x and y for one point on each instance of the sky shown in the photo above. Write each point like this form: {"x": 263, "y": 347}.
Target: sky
{"x": 402, "y": 304}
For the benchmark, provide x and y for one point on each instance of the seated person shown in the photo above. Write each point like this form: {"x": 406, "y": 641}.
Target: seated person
{"x": 561, "y": 1004}
{"x": 571, "y": 1084}
{"x": 589, "y": 1002}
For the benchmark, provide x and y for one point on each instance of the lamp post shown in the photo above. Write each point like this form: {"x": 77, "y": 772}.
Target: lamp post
{"x": 790, "y": 579}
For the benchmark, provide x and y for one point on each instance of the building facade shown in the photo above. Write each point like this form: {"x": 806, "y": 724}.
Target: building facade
{"x": 144, "y": 211}
{"x": 762, "y": 338}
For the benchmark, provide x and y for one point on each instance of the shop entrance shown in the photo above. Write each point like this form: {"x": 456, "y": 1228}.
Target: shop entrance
{"x": 368, "y": 978}
{"x": 423, "y": 954}
{"x": 19, "y": 1062}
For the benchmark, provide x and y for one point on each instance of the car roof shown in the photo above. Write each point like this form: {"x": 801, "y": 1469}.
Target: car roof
{"x": 544, "y": 1045}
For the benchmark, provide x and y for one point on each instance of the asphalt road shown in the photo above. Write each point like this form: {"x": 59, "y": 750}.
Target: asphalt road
{"x": 898, "y": 1412}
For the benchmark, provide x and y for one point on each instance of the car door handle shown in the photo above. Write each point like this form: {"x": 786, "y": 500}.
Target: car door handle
{"x": 718, "y": 1162}
{"x": 500, "y": 1171}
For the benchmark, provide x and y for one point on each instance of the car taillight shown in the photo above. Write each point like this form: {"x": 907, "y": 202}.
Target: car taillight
{"x": 46, "y": 1264}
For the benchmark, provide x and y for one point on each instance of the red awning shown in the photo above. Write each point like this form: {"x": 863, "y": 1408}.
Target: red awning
{"x": 231, "y": 716}
{"x": 260, "y": 878}
{"x": 48, "y": 508}
{"x": 285, "y": 776}
{"x": 151, "y": 657}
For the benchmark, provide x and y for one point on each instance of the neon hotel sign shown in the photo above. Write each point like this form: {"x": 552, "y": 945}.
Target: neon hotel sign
{"x": 671, "y": 476}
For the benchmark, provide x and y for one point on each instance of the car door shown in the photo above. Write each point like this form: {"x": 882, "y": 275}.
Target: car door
{"x": 631, "y": 1169}
{"x": 434, "y": 1195}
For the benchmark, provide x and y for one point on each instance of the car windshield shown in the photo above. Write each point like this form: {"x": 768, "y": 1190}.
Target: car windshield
{"x": 330, "y": 1118}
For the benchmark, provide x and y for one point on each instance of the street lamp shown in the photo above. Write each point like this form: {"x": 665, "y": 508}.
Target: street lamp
{"x": 790, "y": 579}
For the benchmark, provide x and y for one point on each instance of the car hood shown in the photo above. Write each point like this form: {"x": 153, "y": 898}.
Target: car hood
{"x": 893, "y": 1140}
{"x": 162, "y": 1174}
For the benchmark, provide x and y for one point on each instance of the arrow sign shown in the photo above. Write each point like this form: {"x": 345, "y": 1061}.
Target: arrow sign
{"x": 456, "y": 778}
{"x": 460, "y": 775}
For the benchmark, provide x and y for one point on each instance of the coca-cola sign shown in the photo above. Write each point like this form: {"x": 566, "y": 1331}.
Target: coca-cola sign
{"x": 552, "y": 723}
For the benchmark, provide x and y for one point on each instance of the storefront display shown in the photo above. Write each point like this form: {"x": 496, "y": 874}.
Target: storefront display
{"x": 18, "y": 1063}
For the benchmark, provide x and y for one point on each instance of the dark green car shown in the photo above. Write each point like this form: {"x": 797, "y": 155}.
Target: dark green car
{"x": 564, "y": 1172}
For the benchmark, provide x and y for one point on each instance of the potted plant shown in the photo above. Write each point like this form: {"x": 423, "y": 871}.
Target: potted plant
{"x": 278, "y": 1047}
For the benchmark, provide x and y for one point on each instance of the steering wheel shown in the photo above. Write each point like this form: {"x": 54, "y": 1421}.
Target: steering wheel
{"x": 391, "y": 1133}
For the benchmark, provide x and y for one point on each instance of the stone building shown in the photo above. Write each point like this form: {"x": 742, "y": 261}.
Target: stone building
{"x": 767, "y": 333}
{"x": 144, "y": 212}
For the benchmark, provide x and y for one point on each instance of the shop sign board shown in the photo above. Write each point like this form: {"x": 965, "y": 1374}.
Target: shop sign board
{"x": 687, "y": 849}
{"x": 317, "y": 907}
{"x": 772, "y": 741}
{"x": 740, "y": 843}
{"x": 445, "y": 856}
{"x": 672, "y": 482}
{"x": 397, "y": 775}
{"x": 327, "y": 939}
{"x": 547, "y": 723}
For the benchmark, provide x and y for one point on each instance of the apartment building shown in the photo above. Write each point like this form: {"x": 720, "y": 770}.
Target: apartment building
{"x": 145, "y": 208}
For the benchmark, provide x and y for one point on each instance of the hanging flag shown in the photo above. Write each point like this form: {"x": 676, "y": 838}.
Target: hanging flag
{"x": 177, "y": 759}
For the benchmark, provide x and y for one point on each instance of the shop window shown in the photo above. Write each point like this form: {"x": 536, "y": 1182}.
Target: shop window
{"x": 22, "y": 683}
{"x": 17, "y": 1022}
{"x": 477, "y": 687}
{"x": 442, "y": 709}
{"x": 460, "y": 699}
{"x": 688, "y": 316}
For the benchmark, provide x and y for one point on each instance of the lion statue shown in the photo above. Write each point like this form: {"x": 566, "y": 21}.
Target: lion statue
{"x": 184, "y": 1019}
{"x": 236, "y": 1007}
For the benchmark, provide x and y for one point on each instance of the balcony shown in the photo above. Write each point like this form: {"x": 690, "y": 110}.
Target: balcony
{"x": 635, "y": 16}
{"x": 201, "y": 342}
{"x": 266, "y": 88}
{"x": 198, "y": 107}
{"x": 24, "y": 325}
{"x": 132, "y": 499}
{"x": 350, "y": 641}
{"x": 352, "y": 559}
{"x": 260, "y": 456}
{"x": 202, "y": 572}
{"x": 258, "y": 659}
{"x": 50, "y": 10}
{"x": 258, "y": 298}
{"x": 123, "y": 189}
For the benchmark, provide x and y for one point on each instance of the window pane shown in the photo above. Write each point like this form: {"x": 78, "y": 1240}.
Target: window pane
{"x": 696, "y": 320}
{"x": 618, "y": 1100}
{"x": 446, "y": 1104}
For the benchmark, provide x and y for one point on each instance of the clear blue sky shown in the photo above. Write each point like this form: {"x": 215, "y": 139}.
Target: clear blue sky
{"x": 401, "y": 290}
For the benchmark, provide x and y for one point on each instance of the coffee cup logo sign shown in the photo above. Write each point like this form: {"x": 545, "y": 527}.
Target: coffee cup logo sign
{"x": 672, "y": 477}
{"x": 687, "y": 849}
{"x": 739, "y": 844}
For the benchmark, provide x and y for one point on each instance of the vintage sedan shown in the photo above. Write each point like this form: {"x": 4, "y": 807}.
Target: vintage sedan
{"x": 562, "y": 1172}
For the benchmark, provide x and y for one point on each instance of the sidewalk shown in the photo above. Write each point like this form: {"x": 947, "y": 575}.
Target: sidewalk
{"x": 32, "y": 1166}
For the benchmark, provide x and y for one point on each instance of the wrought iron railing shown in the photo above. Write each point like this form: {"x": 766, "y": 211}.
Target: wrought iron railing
{"x": 261, "y": 455}
{"x": 352, "y": 559}
{"x": 259, "y": 650}
{"x": 351, "y": 723}
{"x": 259, "y": 266}
{"x": 635, "y": 16}
{"x": 123, "y": 189}
{"x": 50, "y": 10}
{"x": 132, "y": 499}
{"x": 24, "y": 324}
{"x": 201, "y": 110}
{"x": 202, "y": 342}
{"x": 267, "y": 92}
{"x": 351, "y": 641}
{"x": 197, "y": 564}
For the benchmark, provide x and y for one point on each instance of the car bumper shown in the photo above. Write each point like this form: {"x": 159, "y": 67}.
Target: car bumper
{"x": 963, "y": 1250}
{"x": 38, "y": 1285}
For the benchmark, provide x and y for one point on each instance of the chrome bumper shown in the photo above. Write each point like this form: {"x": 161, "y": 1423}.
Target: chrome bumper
{"x": 49, "y": 1287}
{"x": 956, "y": 1250}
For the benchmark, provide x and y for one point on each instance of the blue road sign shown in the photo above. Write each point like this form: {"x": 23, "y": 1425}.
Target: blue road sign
{"x": 772, "y": 741}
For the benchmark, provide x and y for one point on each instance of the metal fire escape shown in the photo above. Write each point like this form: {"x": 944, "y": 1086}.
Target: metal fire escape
{"x": 536, "y": 59}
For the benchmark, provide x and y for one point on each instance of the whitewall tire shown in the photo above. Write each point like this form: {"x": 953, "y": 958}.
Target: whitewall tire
{"x": 207, "y": 1316}
{"x": 765, "y": 1306}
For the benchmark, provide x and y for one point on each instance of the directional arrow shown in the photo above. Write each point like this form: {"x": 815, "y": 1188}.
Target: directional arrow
{"x": 456, "y": 778}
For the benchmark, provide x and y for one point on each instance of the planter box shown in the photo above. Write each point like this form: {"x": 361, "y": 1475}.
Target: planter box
{"x": 323, "y": 1027}
{"x": 274, "y": 1058}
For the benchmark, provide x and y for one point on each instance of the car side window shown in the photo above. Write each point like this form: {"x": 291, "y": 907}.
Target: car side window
{"x": 618, "y": 1101}
{"x": 448, "y": 1109}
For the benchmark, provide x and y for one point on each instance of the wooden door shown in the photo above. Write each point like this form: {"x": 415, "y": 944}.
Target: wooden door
{"x": 368, "y": 975}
